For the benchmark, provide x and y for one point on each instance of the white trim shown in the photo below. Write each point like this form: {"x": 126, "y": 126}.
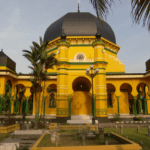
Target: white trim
{"x": 101, "y": 85}
{"x": 62, "y": 47}
{"x": 63, "y": 85}
{"x": 100, "y": 93}
{"x": 62, "y": 58}
{"x": 98, "y": 47}
{"x": 101, "y": 88}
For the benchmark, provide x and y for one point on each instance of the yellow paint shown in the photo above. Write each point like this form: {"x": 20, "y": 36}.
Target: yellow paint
{"x": 10, "y": 128}
{"x": 81, "y": 103}
{"x": 69, "y": 71}
{"x": 6, "y": 68}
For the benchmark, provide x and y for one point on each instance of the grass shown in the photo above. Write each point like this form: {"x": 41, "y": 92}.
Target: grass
{"x": 71, "y": 141}
{"x": 3, "y": 136}
{"x": 46, "y": 141}
{"x": 130, "y": 132}
{"x": 134, "y": 136}
{"x": 68, "y": 131}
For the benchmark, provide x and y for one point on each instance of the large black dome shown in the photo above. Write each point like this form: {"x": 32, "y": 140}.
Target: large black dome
{"x": 79, "y": 24}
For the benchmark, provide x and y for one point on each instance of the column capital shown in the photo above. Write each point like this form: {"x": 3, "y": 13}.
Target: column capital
{"x": 98, "y": 43}
{"x": 44, "y": 98}
{"x": 117, "y": 97}
{"x": 63, "y": 43}
{"x": 27, "y": 97}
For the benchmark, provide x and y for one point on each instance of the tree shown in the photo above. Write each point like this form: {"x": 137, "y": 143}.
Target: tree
{"x": 140, "y": 8}
{"x": 40, "y": 62}
{"x": 6, "y": 98}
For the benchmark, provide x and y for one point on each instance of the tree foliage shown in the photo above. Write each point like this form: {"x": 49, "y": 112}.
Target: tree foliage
{"x": 140, "y": 9}
{"x": 40, "y": 62}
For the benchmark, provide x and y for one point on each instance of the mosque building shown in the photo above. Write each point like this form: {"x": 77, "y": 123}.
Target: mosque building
{"x": 75, "y": 38}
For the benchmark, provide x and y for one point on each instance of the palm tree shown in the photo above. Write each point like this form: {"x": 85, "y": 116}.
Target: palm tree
{"x": 40, "y": 63}
{"x": 140, "y": 8}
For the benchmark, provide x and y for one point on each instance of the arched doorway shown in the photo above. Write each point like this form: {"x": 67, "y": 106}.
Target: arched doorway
{"x": 81, "y": 98}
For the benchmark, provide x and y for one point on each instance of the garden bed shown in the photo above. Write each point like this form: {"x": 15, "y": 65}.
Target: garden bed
{"x": 69, "y": 140}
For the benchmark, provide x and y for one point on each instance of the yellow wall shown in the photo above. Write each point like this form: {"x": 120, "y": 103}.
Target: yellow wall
{"x": 73, "y": 69}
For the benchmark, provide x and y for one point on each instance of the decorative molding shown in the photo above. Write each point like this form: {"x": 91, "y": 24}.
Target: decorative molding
{"x": 80, "y": 53}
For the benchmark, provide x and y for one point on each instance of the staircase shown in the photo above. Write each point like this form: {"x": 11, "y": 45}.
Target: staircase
{"x": 81, "y": 119}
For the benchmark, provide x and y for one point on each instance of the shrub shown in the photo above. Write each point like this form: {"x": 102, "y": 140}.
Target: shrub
{"x": 25, "y": 148}
{"x": 138, "y": 118}
{"x": 19, "y": 119}
{"x": 116, "y": 117}
{"x": 67, "y": 124}
{"x": 27, "y": 119}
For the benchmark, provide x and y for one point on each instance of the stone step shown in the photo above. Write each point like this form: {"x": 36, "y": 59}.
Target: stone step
{"x": 80, "y": 121}
{"x": 27, "y": 143}
{"x": 81, "y": 117}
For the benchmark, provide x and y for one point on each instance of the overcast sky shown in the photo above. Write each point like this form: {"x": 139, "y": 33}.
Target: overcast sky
{"x": 24, "y": 21}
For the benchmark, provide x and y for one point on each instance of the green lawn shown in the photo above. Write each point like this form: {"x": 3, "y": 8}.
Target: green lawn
{"x": 3, "y": 136}
{"x": 134, "y": 136}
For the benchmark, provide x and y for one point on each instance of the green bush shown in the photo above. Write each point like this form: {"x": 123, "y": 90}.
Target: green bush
{"x": 27, "y": 119}
{"x": 19, "y": 119}
{"x": 116, "y": 117}
{"x": 138, "y": 118}
{"x": 24, "y": 148}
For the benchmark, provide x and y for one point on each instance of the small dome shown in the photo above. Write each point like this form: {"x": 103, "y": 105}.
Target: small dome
{"x": 79, "y": 24}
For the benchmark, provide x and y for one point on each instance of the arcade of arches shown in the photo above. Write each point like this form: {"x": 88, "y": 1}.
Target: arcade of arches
{"x": 123, "y": 98}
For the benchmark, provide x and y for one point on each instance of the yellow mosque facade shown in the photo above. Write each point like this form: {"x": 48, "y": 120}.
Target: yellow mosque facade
{"x": 75, "y": 39}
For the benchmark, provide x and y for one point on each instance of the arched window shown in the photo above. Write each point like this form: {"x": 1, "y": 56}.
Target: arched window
{"x": 109, "y": 100}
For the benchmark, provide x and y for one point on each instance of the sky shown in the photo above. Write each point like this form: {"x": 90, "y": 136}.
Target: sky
{"x": 22, "y": 22}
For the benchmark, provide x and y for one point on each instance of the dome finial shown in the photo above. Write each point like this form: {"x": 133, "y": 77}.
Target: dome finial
{"x": 63, "y": 35}
{"x": 98, "y": 35}
{"x": 78, "y": 1}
